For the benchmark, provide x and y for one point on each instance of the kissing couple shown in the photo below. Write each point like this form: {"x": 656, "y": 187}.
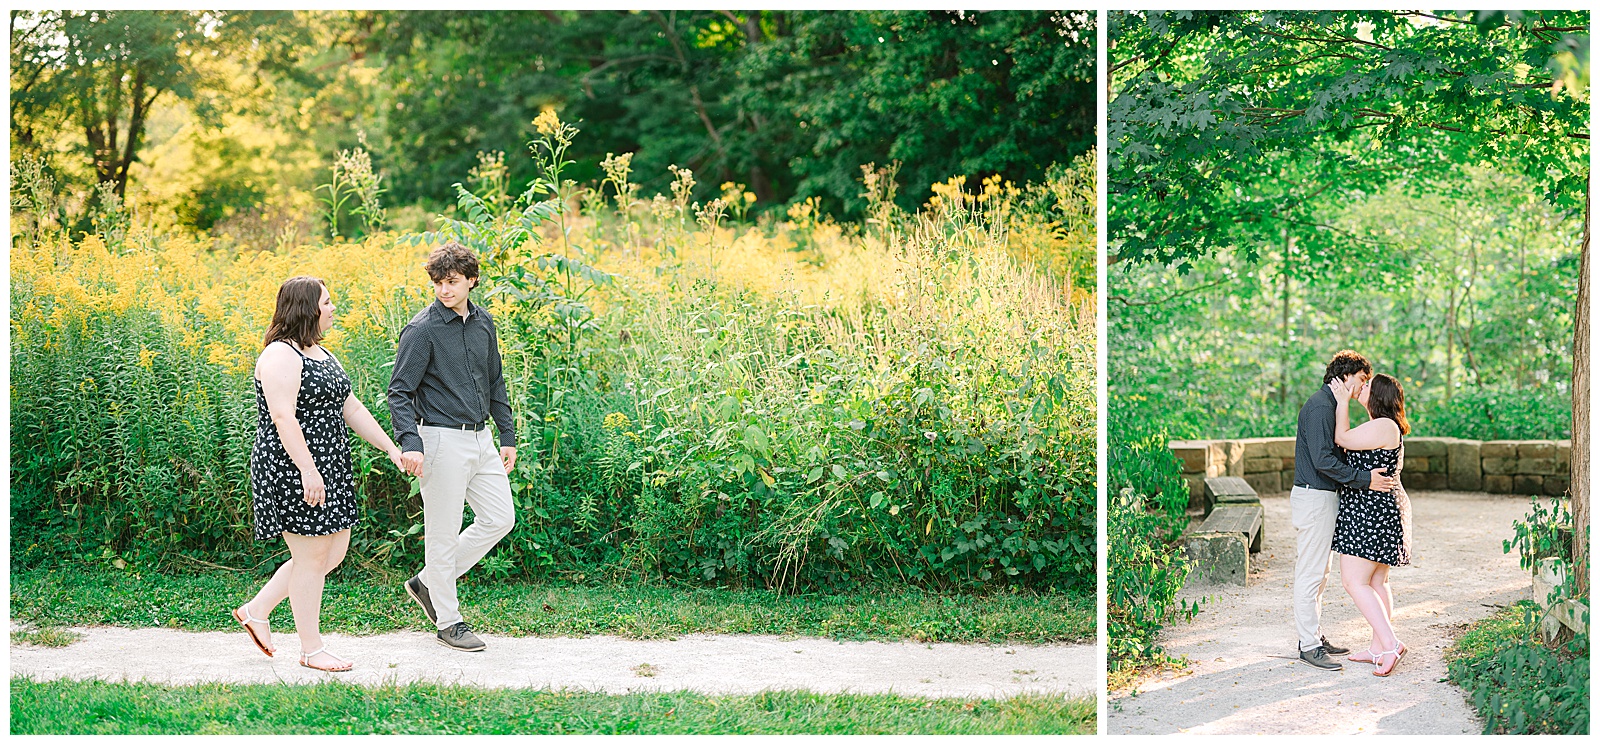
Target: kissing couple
{"x": 1347, "y": 499}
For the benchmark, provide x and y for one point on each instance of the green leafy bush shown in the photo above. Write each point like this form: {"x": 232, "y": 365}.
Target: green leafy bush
{"x": 681, "y": 425}
{"x": 1517, "y": 684}
{"x": 1498, "y": 413}
{"x": 1144, "y": 518}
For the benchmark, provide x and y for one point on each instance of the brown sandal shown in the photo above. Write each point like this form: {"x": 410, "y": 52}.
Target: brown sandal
{"x": 1399, "y": 654}
{"x": 305, "y": 660}
{"x": 242, "y": 615}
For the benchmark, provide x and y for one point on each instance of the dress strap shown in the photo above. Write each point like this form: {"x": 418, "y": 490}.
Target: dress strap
{"x": 295, "y": 348}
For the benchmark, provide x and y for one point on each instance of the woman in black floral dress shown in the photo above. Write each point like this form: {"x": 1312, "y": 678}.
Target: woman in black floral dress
{"x": 301, "y": 475}
{"x": 1372, "y": 531}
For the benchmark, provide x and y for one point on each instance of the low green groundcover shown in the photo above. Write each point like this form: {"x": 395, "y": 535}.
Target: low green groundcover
{"x": 1518, "y": 685}
{"x": 95, "y": 707}
{"x": 358, "y": 604}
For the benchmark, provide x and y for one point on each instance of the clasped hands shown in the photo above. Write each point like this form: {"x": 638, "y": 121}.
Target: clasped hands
{"x": 410, "y": 461}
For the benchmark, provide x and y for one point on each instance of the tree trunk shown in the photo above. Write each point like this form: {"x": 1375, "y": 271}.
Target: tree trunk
{"x": 1450, "y": 342}
{"x": 1580, "y": 419}
{"x": 1283, "y": 364}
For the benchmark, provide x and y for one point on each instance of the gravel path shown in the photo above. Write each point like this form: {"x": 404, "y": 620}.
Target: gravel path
{"x": 732, "y": 664}
{"x": 1243, "y": 678}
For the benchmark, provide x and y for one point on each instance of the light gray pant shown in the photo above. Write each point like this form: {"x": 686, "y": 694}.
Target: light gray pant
{"x": 460, "y": 467}
{"x": 1313, "y": 512}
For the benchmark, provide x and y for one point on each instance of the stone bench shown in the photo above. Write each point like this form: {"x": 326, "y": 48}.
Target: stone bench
{"x": 1219, "y": 550}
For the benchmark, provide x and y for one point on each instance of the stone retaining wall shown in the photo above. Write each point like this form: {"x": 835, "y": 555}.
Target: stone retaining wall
{"x": 1495, "y": 466}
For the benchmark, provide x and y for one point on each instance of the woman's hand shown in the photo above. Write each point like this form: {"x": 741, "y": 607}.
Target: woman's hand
{"x": 1341, "y": 390}
{"x": 316, "y": 491}
{"x": 394, "y": 457}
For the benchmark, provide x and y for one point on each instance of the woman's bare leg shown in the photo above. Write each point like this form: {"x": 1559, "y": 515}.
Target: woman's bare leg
{"x": 267, "y": 600}
{"x": 1380, "y": 585}
{"x": 1356, "y": 573}
{"x": 313, "y": 558}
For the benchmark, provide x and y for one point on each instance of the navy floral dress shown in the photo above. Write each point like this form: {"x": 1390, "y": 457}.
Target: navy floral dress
{"x": 1374, "y": 524}
{"x": 280, "y": 505}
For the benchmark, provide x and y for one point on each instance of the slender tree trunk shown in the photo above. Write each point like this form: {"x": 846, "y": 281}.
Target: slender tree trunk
{"x": 135, "y": 129}
{"x": 1580, "y": 419}
{"x": 1450, "y": 342}
{"x": 1283, "y": 366}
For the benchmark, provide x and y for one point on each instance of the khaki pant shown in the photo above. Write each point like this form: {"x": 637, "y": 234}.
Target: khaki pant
{"x": 1313, "y": 512}
{"x": 460, "y": 467}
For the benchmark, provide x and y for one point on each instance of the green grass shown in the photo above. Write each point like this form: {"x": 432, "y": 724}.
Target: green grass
{"x": 95, "y": 707}
{"x": 48, "y": 636}
{"x": 354, "y": 604}
{"x": 1521, "y": 686}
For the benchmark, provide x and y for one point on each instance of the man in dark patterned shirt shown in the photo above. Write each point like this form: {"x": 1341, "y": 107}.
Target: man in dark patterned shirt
{"x": 446, "y": 383}
{"x": 1314, "y": 504}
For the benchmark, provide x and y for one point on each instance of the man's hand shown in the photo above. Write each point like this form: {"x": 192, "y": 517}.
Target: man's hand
{"x": 1382, "y": 482}
{"x": 411, "y": 462}
{"x": 508, "y": 456}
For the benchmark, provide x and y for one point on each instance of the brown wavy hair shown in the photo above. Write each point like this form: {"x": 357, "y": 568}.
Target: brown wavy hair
{"x": 1345, "y": 362}
{"x": 298, "y": 315}
{"x": 1387, "y": 400}
{"x": 452, "y": 257}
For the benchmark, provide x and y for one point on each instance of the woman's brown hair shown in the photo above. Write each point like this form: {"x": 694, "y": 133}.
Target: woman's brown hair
{"x": 1386, "y": 399}
{"x": 298, "y": 316}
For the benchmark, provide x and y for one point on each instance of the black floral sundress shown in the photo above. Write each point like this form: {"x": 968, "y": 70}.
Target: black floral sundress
{"x": 1373, "y": 524}
{"x": 279, "y": 504}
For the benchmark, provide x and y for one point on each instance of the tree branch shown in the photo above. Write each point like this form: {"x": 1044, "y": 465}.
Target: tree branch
{"x": 1169, "y": 298}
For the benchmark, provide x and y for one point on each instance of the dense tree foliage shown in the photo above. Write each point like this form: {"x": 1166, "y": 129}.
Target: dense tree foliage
{"x": 789, "y": 103}
{"x": 1408, "y": 181}
{"x": 1283, "y": 184}
{"x": 1232, "y": 127}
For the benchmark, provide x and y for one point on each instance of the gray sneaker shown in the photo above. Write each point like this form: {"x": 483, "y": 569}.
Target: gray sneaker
{"x": 460, "y": 637}
{"x": 1317, "y": 657}
{"x": 419, "y": 593}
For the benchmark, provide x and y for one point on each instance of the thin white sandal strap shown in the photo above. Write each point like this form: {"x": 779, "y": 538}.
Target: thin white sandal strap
{"x": 306, "y": 656}
{"x": 245, "y": 609}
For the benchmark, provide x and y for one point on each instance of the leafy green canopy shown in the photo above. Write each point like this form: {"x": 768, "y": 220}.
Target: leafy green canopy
{"x": 101, "y": 74}
{"x": 1230, "y": 126}
{"x": 791, "y": 103}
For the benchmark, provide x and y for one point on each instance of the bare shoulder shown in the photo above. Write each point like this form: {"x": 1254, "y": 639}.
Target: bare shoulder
{"x": 1392, "y": 427}
{"x": 1383, "y": 429}
{"x": 277, "y": 359}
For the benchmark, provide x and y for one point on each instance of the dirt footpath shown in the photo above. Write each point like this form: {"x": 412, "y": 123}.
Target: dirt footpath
{"x": 1244, "y": 678}
{"x": 709, "y": 664}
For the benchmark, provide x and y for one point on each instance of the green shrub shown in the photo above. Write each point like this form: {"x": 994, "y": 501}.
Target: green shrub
{"x": 1517, "y": 684}
{"x": 1498, "y": 413}
{"x": 679, "y": 427}
{"x": 1144, "y": 518}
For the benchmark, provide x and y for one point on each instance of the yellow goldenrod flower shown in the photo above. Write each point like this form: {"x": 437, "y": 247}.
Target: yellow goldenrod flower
{"x": 547, "y": 123}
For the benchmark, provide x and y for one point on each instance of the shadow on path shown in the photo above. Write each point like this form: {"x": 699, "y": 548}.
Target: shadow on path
{"x": 1244, "y": 677}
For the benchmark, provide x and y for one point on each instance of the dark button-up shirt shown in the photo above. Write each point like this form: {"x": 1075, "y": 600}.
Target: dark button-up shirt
{"x": 447, "y": 373}
{"x": 1316, "y": 458}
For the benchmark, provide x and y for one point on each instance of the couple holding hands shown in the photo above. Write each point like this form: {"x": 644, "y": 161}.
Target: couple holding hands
{"x": 446, "y": 383}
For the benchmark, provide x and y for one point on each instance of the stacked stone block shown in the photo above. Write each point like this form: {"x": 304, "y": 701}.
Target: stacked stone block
{"x": 1432, "y": 463}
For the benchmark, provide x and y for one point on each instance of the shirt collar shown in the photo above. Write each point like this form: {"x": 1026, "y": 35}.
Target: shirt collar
{"x": 445, "y": 315}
